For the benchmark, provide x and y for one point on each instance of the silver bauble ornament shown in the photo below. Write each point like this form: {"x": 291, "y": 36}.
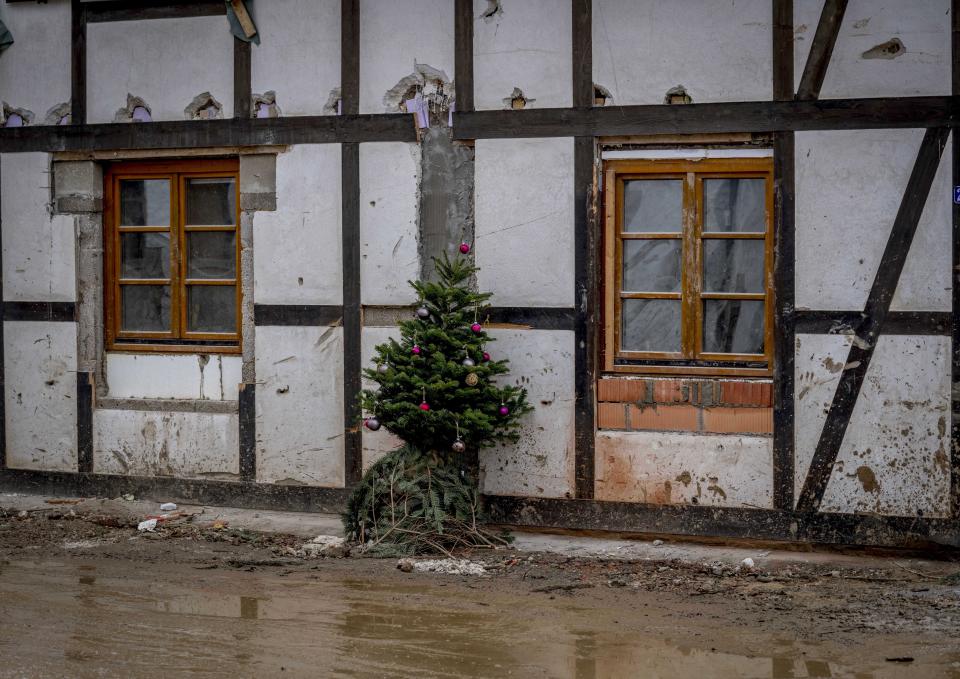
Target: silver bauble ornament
{"x": 372, "y": 423}
{"x": 423, "y": 312}
{"x": 468, "y": 362}
{"x": 382, "y": 368}
{"x": 458, "y": 446}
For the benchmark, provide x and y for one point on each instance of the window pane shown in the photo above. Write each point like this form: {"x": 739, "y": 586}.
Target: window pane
{"x": 652, "y": 205}
{"x": 212, "y": 308}
{"x": 650, "y": 325}
{"x": 211, "y": 201}
{"x": 145, "y": 307}
{"x": 144, "y": 202}
{"x": 734, "y": 204}
{"x": 145, "y": 255}
{"x": 211, "y": 254}
{"x": 651, "y": 265}
{"x": 733, "y": 265}
{"x": 733, "y": 326}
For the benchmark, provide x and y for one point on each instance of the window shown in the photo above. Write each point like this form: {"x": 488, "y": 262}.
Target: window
{"x": 688, "y": 266}
{"x": 172, "y": 257}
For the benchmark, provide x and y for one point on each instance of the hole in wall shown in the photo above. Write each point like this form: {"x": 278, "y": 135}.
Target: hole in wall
{"x": 265, "y": 105}
{"x": 517, "y": 100}
{"x": 433, "y": 86}
{"x": 203, "y": 107}
{"x": 58, "y": 115}
{"x": 891, "y": 49}
{"x": 677, "y": 95}
{"x": 332, "y": 107}
{"x": 601, "y": 95}
{"x": 136, "y": 111}
{"x": 16, "y": 117}
{"x": 493, "y": 10}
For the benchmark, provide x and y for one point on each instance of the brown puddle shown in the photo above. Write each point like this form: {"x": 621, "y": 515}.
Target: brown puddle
{"x": 148, "y": 620}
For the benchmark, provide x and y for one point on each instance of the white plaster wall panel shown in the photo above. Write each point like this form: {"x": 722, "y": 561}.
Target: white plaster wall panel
{"x": 167, "y": 62}
{"x": 925, "y": 284}
{"x": 525, "y": 221}
{"x": 35, "y": 70}
{"x": 389, "y": 257}
{"x": 819, "y": 361}
{"x": 40, "y": 363}
{"x": 296, "y": 254}
{"x": 39, "y": 251}
{"x": 376, "y": 444}
{"x": 394, "y": 35}
{"x": 190, "y": 376}
{"x": 527, "y": 45}
{"x": 540, "y": 464}
{"x": 667, "y": 468}
{"x": 151, "y": 443}
{"x": 299, "y": 53}
{"x": 300, "y": 405}
{"x": 895, "y": 456}
{"x": 848, "y": 189}
{"x": 718, "y": 51}
{"x": 922, "y": 68}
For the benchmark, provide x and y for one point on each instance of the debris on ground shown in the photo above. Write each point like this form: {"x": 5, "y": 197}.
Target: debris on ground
{"x": 449, "y": 567}
{"x": 168, "y": 507}
{"x": 149, "y": 525}
{"x": 329, "y": 546}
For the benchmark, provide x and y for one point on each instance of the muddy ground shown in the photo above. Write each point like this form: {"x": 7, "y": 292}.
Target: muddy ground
{"x": 83, "y": 593}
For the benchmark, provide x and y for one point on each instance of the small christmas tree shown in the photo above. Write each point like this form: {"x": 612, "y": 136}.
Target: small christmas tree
{"x": 436, "y": 392}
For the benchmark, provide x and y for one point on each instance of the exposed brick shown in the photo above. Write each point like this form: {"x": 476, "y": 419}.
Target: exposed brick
{"x": 738, "y": 420}
{"x": 620, "y": 389}
{"x": 746, "y": 393}
{"x": 670, "y": 391}
{"x": 664, "y": 418}
{"x": 611, "y": 416}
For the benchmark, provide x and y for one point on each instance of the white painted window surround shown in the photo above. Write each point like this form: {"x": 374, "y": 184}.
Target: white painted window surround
{"x": 685, "y": 154}
{"x": 212, "y": 377}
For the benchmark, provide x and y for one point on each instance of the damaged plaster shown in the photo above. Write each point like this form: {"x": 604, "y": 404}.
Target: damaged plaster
{"x": 601, "y": 95}
{"x": 493, "y": 11}
{"x": 432, "y": 83}
{"x": 136, "y": 111}
{"x": 517, "y": 100}
{"x": 332, "y": 106}
{"x": 16, "y": 117}
{"x": 58, "y": 115}
{"x": 265, "y": 105}
{"x": 203, "y": 107}
{"x": 891, "y": 49}
{"x": 677, "y": 95}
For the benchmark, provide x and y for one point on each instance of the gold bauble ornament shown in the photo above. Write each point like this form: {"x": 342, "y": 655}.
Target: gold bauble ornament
{"x": 472, "y": 379}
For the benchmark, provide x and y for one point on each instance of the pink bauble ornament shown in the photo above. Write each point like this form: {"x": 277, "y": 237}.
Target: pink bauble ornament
{"x": 415, "y": 349}
{"x": 371, "y": 423}
{"x": 486, "y": 356}
{"x": 424, "y": 406}
{"x": 464, "y": 247}
{"x": 476, "y": 327}
{"x": 504, "y": 410}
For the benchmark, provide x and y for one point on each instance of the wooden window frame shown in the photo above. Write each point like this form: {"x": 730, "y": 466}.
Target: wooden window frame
{"x": 691, "y": 360}
{"x": 177, "y": 339}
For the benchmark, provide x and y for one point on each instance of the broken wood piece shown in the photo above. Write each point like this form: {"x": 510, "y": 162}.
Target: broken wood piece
{"x": 243, "y": 16}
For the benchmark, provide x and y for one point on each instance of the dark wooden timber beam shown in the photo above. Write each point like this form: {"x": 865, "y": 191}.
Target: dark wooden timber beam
{"x": 820, "y": 322}
{"x": 135, "y": 10}
{"x": 784, "y": 265}
{"x": 821, "y": 49}
{"x": 875, "y": 315}
{"x": 78, "y": 64}
{"x": 745, "y": 116}
{"x": 208, "y": 133}
{"x": 955, "y": 277}
{"x": 463, "y": 54}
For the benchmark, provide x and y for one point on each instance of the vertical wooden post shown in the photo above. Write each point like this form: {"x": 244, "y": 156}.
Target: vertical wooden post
{"x": 586, "y": 285}
{"x": 784, "y": 266}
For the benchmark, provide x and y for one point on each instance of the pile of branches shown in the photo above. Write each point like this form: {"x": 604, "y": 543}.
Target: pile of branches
{"x": 410, "y": 503}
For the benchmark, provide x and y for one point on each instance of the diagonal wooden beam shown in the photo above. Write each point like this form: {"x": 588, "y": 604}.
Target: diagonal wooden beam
{"x": 875, "y": 315}
{"x": 822, "y": 48}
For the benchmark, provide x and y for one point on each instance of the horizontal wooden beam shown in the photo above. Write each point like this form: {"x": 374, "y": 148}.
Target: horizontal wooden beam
{"x": 746, "y": 116}
{"x": 817, "y": 322}
{"x": 724, "y": 522}
{"x": 750, "y": 116}
{"x": 135, "y": 10}
{"x": 297, "y": 314}
{"x": 39, "y": 311}
{"x": 208, "y": 133}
